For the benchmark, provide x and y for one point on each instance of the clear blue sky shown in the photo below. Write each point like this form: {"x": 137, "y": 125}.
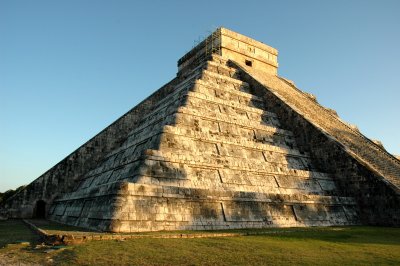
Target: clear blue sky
{"x": 70, "y": 68}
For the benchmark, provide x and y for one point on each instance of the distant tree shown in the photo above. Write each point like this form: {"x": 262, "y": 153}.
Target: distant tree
{"x": 9, "y": 193}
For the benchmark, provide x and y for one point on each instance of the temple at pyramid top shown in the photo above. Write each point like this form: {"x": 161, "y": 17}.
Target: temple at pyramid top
{"x": 234, "y": 46}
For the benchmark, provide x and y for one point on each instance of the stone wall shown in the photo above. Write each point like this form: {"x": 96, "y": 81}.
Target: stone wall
{"x": 235, "y": 46}
{"x": 245, "y": 50}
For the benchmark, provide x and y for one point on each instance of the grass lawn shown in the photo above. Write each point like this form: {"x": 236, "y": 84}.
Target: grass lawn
{"x": 323, "y": 246}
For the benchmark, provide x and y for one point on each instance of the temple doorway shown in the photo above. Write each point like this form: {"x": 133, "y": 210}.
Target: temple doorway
{"x": 40, "y": 210}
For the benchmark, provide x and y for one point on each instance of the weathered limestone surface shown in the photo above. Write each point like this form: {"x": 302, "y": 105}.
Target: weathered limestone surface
{"x": 209, "y": 156}
{"x": 226, "y": 144}
{"x": 234, "y": 46}
{"x": 362, "y": 168}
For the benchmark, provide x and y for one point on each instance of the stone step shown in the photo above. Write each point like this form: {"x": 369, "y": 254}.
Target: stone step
{"x": 233, "y": 104}
{"x": 211, "y": 89}
{"x": 154, "y": 164}
{"x": 245, "y": 123}
{"x": 232, "y": 141}
{"x": 205, "y": 136}
{"x": 216, "y": 146}
{"x": 230, "y": 159}
{"x": 216, "y": 161}
{"x": 267, "y": 154}
{"x": 172, "y": 191}
{"x": 167, "y": 172}
{"x": 222, "y": 69}
{"x": 172, "y": 102}
{"x": 218, "y": 78}
{"x": 140, "y": 204}
{"x": 153, "y": 190}
{"x": 194, "y": 78}
{"x": 220, "y": 126}
{"x": 163, "y": 114}
{"x": 197, "y": 127}
{"x": 227, "y": 86}
{"x": 211, "y": 106}
{"x": 264, "y": 165}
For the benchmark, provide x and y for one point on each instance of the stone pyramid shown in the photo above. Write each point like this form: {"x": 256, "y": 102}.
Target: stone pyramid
{"x": 226, "y": 144}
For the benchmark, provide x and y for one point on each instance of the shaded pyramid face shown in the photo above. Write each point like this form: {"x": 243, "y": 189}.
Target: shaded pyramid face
{"x": 210, "y": 155}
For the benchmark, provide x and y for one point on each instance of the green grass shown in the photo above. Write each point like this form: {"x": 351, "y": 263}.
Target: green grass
{"x": 322, "y": 246}
{"x": 15, "y": 231}
{"x": 17, "y": 245}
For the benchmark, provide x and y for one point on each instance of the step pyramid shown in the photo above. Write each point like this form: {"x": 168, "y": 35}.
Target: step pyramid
{"x": 227, "y": 144}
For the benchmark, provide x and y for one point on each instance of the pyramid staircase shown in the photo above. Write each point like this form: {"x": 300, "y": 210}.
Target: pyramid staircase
{"x": 209, "y": 156}
{"x": 363, "y": 149}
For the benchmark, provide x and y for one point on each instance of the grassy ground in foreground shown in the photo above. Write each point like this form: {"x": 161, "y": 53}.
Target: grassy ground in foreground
{"x": 323, "y": 246}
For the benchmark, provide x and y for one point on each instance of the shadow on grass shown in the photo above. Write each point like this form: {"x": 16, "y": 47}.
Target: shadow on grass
{"x": 54, "y": 226}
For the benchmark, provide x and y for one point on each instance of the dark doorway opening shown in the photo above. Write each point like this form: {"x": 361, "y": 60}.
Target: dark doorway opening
{"x": 40, "y": 210}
